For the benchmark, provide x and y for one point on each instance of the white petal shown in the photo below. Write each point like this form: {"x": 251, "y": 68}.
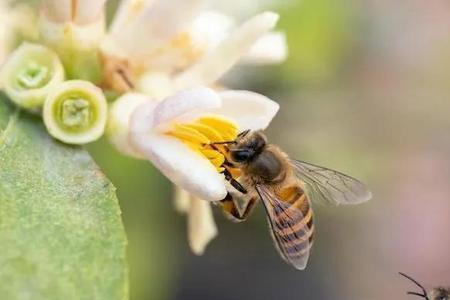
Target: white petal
{"x": 127, "y": 11}
{"x": 158, "y": 24}
{"x": 216, "y": 63}
{"x": 182, "y": 200}
{"x": 210, "y": 28}
{"x": 88, "y": 11}
{"x": 58, "y": 10}
{"x": 119, "y": 119}
{"x": 67, "y": 35}
{"x": 184, "y": 105}
{"x": 269, "y": 49}
{"x": 248, "y": 109}
{"x": 156, "y": 84}
{"x": 174, "y": 159}
{"x": 201, "y": 226}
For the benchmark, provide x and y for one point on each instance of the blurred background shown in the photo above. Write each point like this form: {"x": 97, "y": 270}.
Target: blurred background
{"x": 366, "y": 90}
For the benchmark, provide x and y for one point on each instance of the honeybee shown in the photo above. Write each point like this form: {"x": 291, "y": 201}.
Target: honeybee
{"x": 438, "y": 293}
{"x": 257, "y": 170}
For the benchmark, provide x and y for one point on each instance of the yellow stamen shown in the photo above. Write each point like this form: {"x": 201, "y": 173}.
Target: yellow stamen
{"x": 228, "y": 130}
{"x": 201, "y": 134}
{"x": 188, "y": 134}
{"x": 208, "y": 131}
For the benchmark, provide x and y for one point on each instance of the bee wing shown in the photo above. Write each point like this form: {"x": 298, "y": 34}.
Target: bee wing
{"x": 330, "y": 187}
{"x": 291, "y": 237}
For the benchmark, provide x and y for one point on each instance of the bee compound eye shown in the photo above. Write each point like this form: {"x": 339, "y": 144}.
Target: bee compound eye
{"x": 241, "y": 155}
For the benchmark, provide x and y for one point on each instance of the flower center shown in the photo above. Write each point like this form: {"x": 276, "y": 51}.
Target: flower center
{"x": 74, "y": 112}
{"x": 33, "y": 76}
{"x": 201, "y": 134}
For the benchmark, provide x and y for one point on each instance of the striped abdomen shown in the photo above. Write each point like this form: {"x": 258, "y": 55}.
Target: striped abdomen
{"x": 297, "y": 234}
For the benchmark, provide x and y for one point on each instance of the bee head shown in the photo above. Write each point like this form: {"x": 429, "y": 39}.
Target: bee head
{"x": 440, "y": 294}
{"x": 248, "y": 145}
{"x": 423, "y": 294}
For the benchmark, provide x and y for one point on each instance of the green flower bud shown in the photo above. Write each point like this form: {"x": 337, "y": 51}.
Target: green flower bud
{"x": 75, "y": 112}
{"x": 29, "y": 73}
{"x": 77, "y": 46}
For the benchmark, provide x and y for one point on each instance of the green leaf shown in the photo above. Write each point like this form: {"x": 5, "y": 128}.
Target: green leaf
{"x": 61, "y": 234}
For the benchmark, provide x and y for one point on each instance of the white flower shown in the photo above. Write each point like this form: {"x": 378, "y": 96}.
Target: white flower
{"x": 227, "y": 53}
{"x": 165, "y": 37}
{"x": 164, "y": 46}
{"x": 141, "y": 27}
{"x": 175, "y": 134}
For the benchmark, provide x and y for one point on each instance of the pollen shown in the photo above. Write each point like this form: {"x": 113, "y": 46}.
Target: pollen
{"x": 201, "y": 134}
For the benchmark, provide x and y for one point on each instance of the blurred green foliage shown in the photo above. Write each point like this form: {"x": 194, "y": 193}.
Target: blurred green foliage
{"x": 61, "y": 234}
{"x": 146, "y": 203}
{"x": 321, "y": 35}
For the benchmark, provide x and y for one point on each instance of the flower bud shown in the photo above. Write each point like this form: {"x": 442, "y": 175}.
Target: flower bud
{"x": 81, "y": 12}
{"x": 75, "y": 112}
{"x": 29, "y": 74}
{"x": 74, "y": 30}
{"x": 119, "y": 119}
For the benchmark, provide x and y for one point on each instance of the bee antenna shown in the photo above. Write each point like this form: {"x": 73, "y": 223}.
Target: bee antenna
{"x": 417, "y": 294}
{"x": 244, "y": 133}
{"x": 224, "y": 143}
{"x": 424, "y": 295}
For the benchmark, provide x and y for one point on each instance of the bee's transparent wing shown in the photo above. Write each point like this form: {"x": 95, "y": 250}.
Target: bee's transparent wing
{"x": 292, "y": 238}
{"x": 330, "y": 187}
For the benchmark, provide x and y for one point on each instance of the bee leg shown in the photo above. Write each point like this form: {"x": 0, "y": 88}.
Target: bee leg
{"x": 234, "y": 183}
{"x": 231, "y": 211}
{"x": 238, "y": 186}
{"x": 249, "y": 208}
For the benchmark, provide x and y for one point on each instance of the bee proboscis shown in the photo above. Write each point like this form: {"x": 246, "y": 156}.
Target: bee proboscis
{"x": 257, "y": 170}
